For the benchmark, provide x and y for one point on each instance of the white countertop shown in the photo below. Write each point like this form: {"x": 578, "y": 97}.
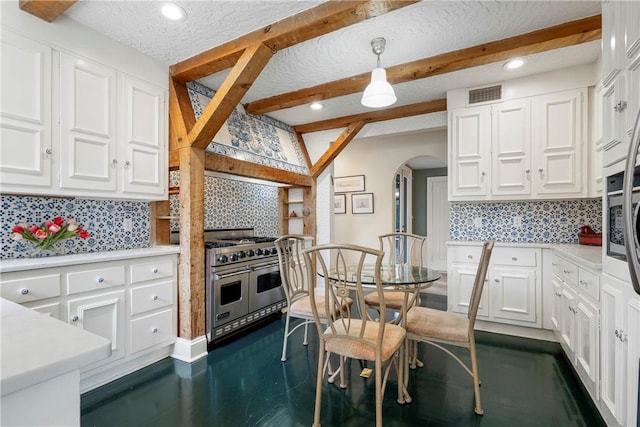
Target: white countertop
{"x": 589, "y": 256}
{"x": 36, "y": 347}
{"x": 20, "y": 264}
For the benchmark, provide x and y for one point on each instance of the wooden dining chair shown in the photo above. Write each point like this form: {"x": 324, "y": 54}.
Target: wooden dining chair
{"x": 295, "y": 283}
{"x": 343, "y": 269}
{"x": 399, "y": 249}
{"x": 438, "y": 327}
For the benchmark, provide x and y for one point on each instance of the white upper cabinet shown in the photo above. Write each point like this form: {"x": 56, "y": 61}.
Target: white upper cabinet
{"x": 558, "y": 138}
{"x": 26, "y": 149}
{"x": 612, "y": 40}
{"x": 529, "y": 148}
{"x": 73, "y": 126}
{"x": 511, "y": 141}
{"x": 87, "y": 125}
{"x": 143, "y": 137}
{"x": 470, "y": 151}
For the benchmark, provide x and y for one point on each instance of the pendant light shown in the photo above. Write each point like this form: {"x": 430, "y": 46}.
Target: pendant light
{"x": 379, "y": 92}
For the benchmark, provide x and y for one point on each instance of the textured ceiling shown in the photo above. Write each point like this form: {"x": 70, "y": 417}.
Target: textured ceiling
{"x": 418, "y": 31}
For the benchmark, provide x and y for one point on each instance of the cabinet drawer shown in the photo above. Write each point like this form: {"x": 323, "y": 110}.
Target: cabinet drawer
{"x": 101, "y": 278}
{"x": 150, "y": 330}
{"x": 569, "y": 272}
{"x": 519, "y": 257}
{"x": 589, "y": 283}
{"x": 31, "y": 288}
{"x": 151, "y": 270}
{"x": 467, "y": 254}
{"x": 51, "y": 310}
{"x": 150, "y": 297}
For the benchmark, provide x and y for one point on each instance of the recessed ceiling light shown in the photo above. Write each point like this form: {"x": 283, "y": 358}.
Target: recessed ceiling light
{"x": 316, "y": 106}
{"x": 512, "y": 64}
{"x": 173, "y": 11}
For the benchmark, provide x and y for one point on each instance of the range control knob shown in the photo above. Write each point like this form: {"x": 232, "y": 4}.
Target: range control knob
{"x": 252, "y": 252}
{"x": 234, "y": 257}
{"x": 223, "y": 259}
{"x": 242, "y": 254}
{"x": 259, "y": 252}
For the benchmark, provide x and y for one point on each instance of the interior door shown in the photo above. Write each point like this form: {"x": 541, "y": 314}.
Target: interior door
{"x": 402, "y": 218}
{"x": 437, "y": 223}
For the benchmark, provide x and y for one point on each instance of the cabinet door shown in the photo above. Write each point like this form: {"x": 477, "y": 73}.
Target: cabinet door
{"x": 461, "y": 279}
{"x": 632, "y": 29}
{"x": 87, "y": 125}
{"x": 556, "y": 311}
{"x": 612, "y": 40}
{"x": 513, "y": 294}
{"x": 587, "y": 339}
{"x": 633, "y": 357}
{"x": 614, "y": 138}
{"x": 470, "y": 152}
{"x": 567, "y": 324}
{"x": 612, "y": 356}
{"x": 25, "y": 114}
{"x": 557, "y": 131}
{"x": 103, "y": 315}
{"x": 143, "y": 138}
{"x": 511, "y": 144}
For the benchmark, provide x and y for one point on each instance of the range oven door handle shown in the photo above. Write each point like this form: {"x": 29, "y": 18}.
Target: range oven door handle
{"x": 265, "y": 265}
{"x": 224, "y": 276}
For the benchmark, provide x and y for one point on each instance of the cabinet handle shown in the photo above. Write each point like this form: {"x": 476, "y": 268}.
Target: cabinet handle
{"x": 155, "y": 270}
{"x": 496, "y": 280}
{"x": 623, "y": 336}
{"x": 75, "y": 318}
{"x": 540, "y": 170}
{"x": 483, "y": 173}
{"x": 127, "y": 163}
{"x": 470, "y": 256}
{"x": 527, "y": 171}
{"x": 24, "y": 291}
{"x": 155, "y": 298}
{"x": 620, "y": 106}
{"x": 514, "y": 259}
{"x": 154, "y": 330}
{"x": 48, "y": 151}
{"x": 114, "y": 161}
{"x": 100, "y": 280}
{"x": 558, "y": 293}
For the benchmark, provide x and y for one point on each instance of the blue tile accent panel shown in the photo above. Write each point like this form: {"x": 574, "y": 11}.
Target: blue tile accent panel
{"x": 557, "y": 221}
{"x": 103, "y": 219}
{"x": 230, "y": 203}
{"x": 257, "y": 139}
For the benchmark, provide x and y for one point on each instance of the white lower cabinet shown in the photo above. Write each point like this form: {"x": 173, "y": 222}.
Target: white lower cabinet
{"x": 512, "y": 292}
{"x": 575, "y": 318}
{"x": 130, "y": 302}
{"x": 620, "y": 352}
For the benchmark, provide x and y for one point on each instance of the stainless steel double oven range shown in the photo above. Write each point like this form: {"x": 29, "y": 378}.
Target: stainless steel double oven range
{"x": 242, "y": 281}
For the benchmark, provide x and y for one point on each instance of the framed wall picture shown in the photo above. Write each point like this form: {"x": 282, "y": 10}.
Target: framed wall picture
{"x": 362, "y": 203}
{"x": 348, "y": 184}
{"x": 340, "y": 204}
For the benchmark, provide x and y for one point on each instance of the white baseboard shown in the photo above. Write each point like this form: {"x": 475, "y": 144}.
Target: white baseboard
{"x": 518, "y": 331}
{"x": 190, "y": 350}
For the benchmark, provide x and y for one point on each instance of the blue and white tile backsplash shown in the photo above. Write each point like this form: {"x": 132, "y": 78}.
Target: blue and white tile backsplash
{"x": 256, "y": 139}
{"x": 103, "y": 219}
{"x": 230, "y": 203}
{"x": 555, "y": 221}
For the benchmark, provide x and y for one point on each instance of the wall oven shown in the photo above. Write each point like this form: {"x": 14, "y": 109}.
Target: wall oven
{"x": 615, "y": 218}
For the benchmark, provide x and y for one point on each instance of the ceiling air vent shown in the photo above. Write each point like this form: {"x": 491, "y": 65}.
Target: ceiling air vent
{"x": 485, "y": 95}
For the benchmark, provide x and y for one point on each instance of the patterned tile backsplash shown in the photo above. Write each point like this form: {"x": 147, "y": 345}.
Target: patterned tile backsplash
{"x": 104, "y": 219}
{"x": 555, "y": 221}
{"x": 230, "y": 203}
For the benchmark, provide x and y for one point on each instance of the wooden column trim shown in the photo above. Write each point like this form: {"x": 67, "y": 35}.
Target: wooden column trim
{"x": 343, "y": 140}
{"x": 191, "y": 273}
{"x": 227, "y": 97}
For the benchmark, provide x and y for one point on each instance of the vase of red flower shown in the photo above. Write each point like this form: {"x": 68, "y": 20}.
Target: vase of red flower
{"x": 49, "y": 236}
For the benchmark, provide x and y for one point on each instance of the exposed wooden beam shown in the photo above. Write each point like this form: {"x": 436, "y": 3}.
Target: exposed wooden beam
{"x": 48, "y": 10}
{"x": 343, "y": 140}
{"x": 227, "y": 97}
{"x": 181, "y": 115}
{"x": 303, "y": 148}
{"x": 559, "y": 36}
{"x": 220, "y": 163}
{"x": 375, "y": 116}
{"x": 325, "y": 18}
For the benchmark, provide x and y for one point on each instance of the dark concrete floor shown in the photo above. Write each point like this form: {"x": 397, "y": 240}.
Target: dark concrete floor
{"x": 244, "y": 383}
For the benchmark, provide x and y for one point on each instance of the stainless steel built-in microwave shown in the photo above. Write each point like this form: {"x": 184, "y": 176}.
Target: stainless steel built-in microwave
{"x": 615, "y": 237}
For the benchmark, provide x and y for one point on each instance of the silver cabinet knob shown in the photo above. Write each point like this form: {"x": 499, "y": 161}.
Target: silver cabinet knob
{"x": 155, "y": 270}
{"x": 154, "y": 330}
{"x": 48, "y": 151}
{"x": 127, "y": 163}
{"x": 114, "y": 161}
{"x": 540, "y": 170}
{"x": 527, "y": 171}
{"x": 483, "y": 173}
{"x": 75, "y": 318}
{"x": 100, "y": 279}
{"x": 497, "y": 280}
{"x": 24, "y": 291}
{"x": 155, "y": 298}
{"x": 620, "y": 106}
{"x": 470, "y": 256}
{"x": 558, "y": 293}
{"x": 514, "y": 259}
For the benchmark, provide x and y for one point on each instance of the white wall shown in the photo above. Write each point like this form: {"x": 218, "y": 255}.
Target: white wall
{"x": 378, "y": 159}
